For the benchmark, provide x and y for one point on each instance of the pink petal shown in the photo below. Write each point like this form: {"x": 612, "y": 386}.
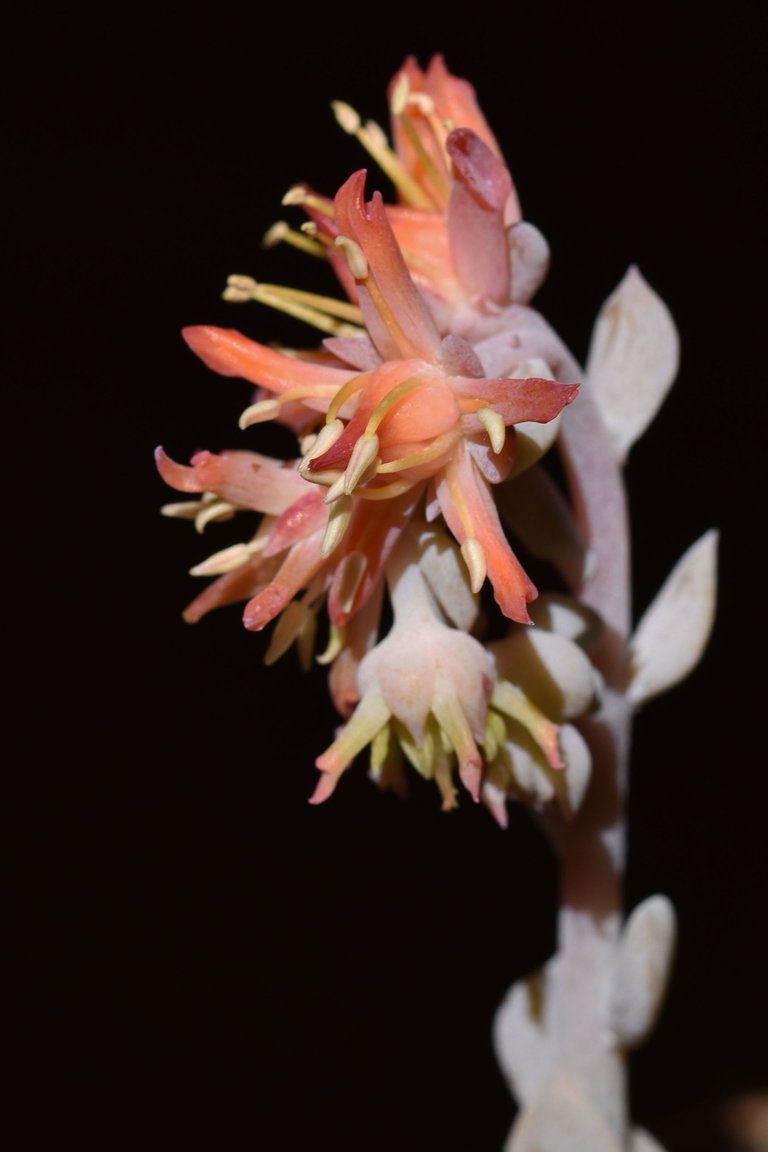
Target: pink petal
{"x": 230, "y": 353}
{"x": 462, "y": 482}
{"x": 476, "y": 216}
{"x": 396, "y": 317}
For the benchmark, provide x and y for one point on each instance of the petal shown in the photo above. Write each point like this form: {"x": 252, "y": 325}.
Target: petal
{"x": 298, "y": 568}
{"x": 470, "y": 511}
{"x": 179, "y": 476}
{"x": 230, "y": 353}
{"x": 306, "y": 515}
{"x": 241, "y": 584}
{"x": 373, "y": 532}
{"x": 250, "y": 481}
{"x": 396, "y": 316}
{"x": 536, "y": 399}
{"x": 476, "y": 216}
{"x": 366, "y": 721}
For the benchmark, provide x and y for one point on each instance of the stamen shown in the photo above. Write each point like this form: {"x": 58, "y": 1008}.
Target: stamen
{"x": 358, "y": 265}
{"x": 215, "y": 510}
{"x": 403, "y": 389}
{"x": 338, "y": 522}
{"x": 336, "y": 491}
{"x": 474, "y": 558}
{"x": 494, "y": 425}
{"x": 439, "y": 179}
{"x": 323, "y": 312}
{"x": 512, "y": 702}
{"x": 291, "y": 622}
{"x": 362, "y": 462}
{"x": 346, "y": 117}
{"x": 336, "y": 638}
{"x": 321, "y": 442}
{"x": 282, "y": 233}
{"x": 228, "y": 559}
{"x": 260, "y": 412}
{"x": 239, "y": 289}
{"x": 400, "y": 93}
{"x": 351, "y": 578}
{"x": 423, "y": 102}
{"x": 185, "y": 510}
{"x": 355, "y": 384}
{"x": 385, "y": 491}
{"x": 374, "y": 140}
{"x": 437, "y": 447}
{"x": 299, "y": 196}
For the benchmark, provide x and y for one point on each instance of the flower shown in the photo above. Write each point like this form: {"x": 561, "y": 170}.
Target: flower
{"x": 433, "y": 695}
{"x": 421, "y": 400}
{"x": 421, "y": 421}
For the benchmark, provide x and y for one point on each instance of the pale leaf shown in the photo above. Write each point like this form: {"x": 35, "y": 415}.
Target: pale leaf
{"x": 642, "y": 969}
{"x": 673, "y": 633}
{"x": 522, "y": 1034}
{"x": 642, "y": 1141}
{"x": 633, "y": 359}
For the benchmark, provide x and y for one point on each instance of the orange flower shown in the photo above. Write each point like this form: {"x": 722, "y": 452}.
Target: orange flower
{"x": 422, "y": 421}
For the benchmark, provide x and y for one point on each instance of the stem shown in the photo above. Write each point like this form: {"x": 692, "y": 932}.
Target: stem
{"x": 595, "y": 841}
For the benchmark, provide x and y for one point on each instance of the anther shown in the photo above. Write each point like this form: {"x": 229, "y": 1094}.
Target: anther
{"x": 474, "y": 558}
{"x": 362, "y": 462}
{"x": 338, "y": 522}
{"x": 494, "y": 425}
{"x": 358, "y": 265}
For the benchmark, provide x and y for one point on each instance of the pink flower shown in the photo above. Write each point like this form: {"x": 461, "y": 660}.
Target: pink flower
{"x": 421, "y": 422}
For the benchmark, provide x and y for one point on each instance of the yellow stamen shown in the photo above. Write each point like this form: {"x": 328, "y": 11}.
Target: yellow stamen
{"x": 379, "y": 752}
{"x": 228, "y": 559}
{"x": 319, "y": 443}
{"x": 474, "y": 558}
{"x": 438, "y": 178}
{"x": 323, "y": 312}
{"x": 338, "y": 522}
{"x": 336, "y": 638}
{"x": 215, "y": 510}
{"x": 335, "y": 491}
{"x": 375, "y": 142}
{"x": 362, "y": 462}
{"x": 260, "y": 412}
{"x": 494, "y": 426}
{"x": 513, "y": 702}
{"x": 344, "y": 393}
{"x": 392, "y": 398}
{"x": 298, "y": 195}
{"x": 189, "y": 509}
{"x": 438, "y": 446}
{"x": 282, "y": 233}
{"x": 351, "y": 579}
{"x": 358, "y": 265}
{"x": 294, "y": 618}
{"x": 400, "y": 92}
{"x": 495, "y": 736}
{"x": 385, "y": 491}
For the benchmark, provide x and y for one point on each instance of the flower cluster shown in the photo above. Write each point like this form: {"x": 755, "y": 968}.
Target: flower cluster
{"x": 436, "y": 385}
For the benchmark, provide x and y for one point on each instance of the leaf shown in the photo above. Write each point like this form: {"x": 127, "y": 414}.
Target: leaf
{"x": 522, "y": 1034}
{"x": 673, "y": 633}
{"x": 642, "y": 1141}
{"x": 633, "y": 359}
{"x": 642, "y": 969}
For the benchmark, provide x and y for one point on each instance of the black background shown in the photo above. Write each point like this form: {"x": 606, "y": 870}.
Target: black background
{"x": 201, "y": 953}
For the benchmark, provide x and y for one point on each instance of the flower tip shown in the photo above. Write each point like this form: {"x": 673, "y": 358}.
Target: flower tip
{"x": 470, "y": 773}
{"x": 325, "y": 787}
